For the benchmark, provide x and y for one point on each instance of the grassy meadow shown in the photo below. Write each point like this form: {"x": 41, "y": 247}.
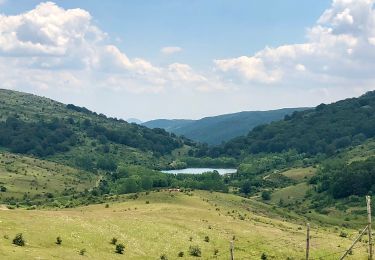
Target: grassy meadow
{"x": 164, "y": 222}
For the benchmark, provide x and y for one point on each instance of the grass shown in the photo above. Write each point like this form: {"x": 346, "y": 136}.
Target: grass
{"x": 300, "y": 174}
{"x": 25, "y": 175}
{"x": 168, "y": 224}
{"x": 290, "y": 193}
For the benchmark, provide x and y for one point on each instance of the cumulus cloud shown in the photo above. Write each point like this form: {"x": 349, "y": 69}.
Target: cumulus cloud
{"x": 170, "y": 50}
{"x": 340, "y": 49}
{"x": 49, "y": 43}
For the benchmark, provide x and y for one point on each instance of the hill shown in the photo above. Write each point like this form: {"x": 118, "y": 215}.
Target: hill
{"x": 76, "y": 136}
{"x": 322, "y": 130}
{"x": 165, "y": 223}
{"x": 217, "y": 129}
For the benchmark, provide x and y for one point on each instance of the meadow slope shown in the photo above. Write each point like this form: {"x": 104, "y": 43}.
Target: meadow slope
{"x": 167, "y": 223}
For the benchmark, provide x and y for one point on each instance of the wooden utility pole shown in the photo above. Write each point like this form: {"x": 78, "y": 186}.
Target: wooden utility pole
{"x": 308, "y": 241}
{"x": 368, "y": 200}
{"x": 355, "y": 242}
{"x": 231, "y": 250}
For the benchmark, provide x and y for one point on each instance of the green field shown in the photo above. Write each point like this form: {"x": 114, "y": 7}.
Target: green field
{"x": 24, "y": 176}
{"x": 167, "y": 223}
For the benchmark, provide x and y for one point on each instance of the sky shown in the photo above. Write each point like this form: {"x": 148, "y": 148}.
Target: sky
{"x": 188, "y": 58}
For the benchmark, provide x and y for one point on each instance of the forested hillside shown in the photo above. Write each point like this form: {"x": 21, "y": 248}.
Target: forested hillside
{"x": 77, "y": 136}
{"x": 217, "y": 129}
{"x": 324, "y": 130}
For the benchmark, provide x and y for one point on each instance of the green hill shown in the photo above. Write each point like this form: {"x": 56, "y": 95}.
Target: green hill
{"x": 217, "y": 129}
{"x": 78, "y": 137}
{"x": 322, "y": 130}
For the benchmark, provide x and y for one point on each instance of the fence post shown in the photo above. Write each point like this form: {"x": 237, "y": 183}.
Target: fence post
{"x": 231, "y": 250}
{"x": 368, "y": 199}
{"x": 308, "y": 242}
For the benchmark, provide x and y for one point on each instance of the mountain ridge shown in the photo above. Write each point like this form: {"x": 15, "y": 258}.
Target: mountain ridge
{"x": 217, "y": 129}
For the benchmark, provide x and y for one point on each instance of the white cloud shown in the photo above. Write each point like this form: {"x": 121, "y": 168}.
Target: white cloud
{"x": 340, "y": 49}
{"x": 170, "y": 50}
{"x": 49, "y": 43}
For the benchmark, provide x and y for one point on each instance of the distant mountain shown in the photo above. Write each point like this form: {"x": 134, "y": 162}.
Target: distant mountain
{"x": 218, "y": 129}
{"x": 134, "y": 120}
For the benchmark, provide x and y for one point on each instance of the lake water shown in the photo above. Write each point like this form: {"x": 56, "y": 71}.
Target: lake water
{"x": 200, "y": 170}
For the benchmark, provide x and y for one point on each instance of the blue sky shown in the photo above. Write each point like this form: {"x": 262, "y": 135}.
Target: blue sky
{"x": 206, "y": 30}
{"x": 219, "y": 56}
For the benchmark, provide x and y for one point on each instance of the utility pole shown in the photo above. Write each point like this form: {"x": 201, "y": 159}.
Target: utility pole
{"x": 368, "y": 200}
{"x": 231, "y": 250}
{"x": 308, "y": 242}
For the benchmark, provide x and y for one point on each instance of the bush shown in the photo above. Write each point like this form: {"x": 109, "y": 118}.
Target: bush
{"x": 216, "y": 251}
{"x": 120, "y": 248}
{"x": 266, "y": 195}
{"x": 82, "y": 251}
{"x": 180, "y": 254}
{"x": 163, "y": 257}
{"x": 207, "y": 239}
{"x": 263, "y": 256}
{"x": 114, "y": 241}
{"x": 343, "y": 234}
{"x": 18, "y": 240}
{"x": 195, "y": 251}
{"x": 58, "y": 241}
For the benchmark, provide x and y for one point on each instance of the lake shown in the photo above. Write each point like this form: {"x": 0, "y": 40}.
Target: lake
{"x": 200, "y": 170}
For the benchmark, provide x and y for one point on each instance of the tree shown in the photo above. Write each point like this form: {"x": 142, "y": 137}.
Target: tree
{"x": 266, "y": 195}
{"x": 246, "y": 187}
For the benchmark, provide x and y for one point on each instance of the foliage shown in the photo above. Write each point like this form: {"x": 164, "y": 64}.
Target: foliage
{"x": 266, "y": 195}
{"x": 343, "y": 180}
{"x": 325, "y": 129}
{"x": 18, "y": 240}
{"x": 58, "y": 241}
{"x": 36, "y": 138}
{"x": 195, "y": 251}
{"x": 120, "y": 248}
{"x": 114, "y": 241}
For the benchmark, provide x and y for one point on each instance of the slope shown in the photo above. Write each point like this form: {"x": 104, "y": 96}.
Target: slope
{"x": 217, "y": 129}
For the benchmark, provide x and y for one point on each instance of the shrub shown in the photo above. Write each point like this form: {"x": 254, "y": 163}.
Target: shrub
{"x": 163, "y": 257}
{"x": 195, "y": 251}
{"x": 114, "y": 241}
{"x": 58, "y": 241}
{"x": 180, "y": 254}
{"x": 207, "y": 239}
{"x": 120, "y": 248}
{"x": 106, "y": 205}
{"x": 263, "y": 256}
{"x": 18, "y": 240}
{"x": 266, "y": 195}
{"x": 82, "y": 251}
{"x": 216, "y": 251}
{"x": 343, "y": 234}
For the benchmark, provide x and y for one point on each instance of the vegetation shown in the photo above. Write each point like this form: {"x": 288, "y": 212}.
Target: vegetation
{"x": 120, "y": 249}
{"x": 218, "y": 129}
{"x": 18, "y": 240}
{"x": 322, "y": 130}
